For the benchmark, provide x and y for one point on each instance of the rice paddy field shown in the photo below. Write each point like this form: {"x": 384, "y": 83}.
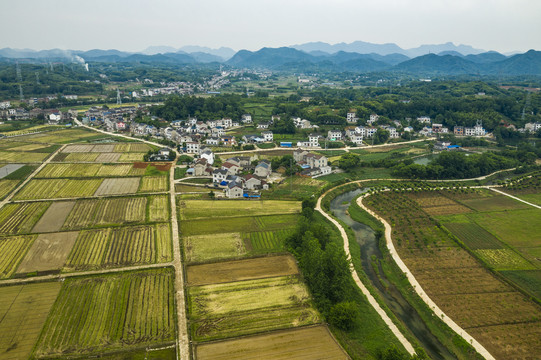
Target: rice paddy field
{"x": 199, "y": 209}
{"x": 118, "y": 312}
{"x": 240, "y": 308}
{"x": 20, "y": 218}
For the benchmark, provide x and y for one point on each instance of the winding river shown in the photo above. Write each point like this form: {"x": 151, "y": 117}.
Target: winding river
{"x": 370, "y": 259}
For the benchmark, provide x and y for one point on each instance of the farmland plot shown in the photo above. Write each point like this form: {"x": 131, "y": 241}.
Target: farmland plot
{"x": 89, "y": 250}
{"x": 58, "y": 188}
{"x": 23, "y": 310}
{"x": 130, "y": 157}
{"x": 158, "y": 208}
{"x": 48, "y": 252}
{"x": 214, "y": 246}
{"x": 154, "y": 184}
{"x": 12, "y": 251}
{"x": 115, "y": 170}
{"x": 196, "y": 209}
{"x": 266, "y": 241}
{"x": 80, "y": 148}
{"x": 234, "y": 224}
{"x": 504, "y": 259}
{"x": 121, "y": 211}
{"x": 314, "y": 342}
{"x": 22, "y": 157}
{"x": 20, "y": 218}
{"x": 132, "y": 147}
{"x": 474, "y": 236}
{"x": 247, "y": 307}
{"x": 53, "y": 219}
{"x": 131, "y": 246}
{"x": 164, "y": 252}
{"x": 109, "y": 313}
{"x": 68, "y": 170}
{"x": 247, "y": 269}
{"x": 118, "y": 186}
{"x": 83, "y": 157}
{"x": 6, "y": 186}
{"x": 107, "y": 157}
{"x": 103, "y": 148}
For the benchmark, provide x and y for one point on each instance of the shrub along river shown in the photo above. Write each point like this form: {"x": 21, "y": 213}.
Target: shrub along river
{"x": 370, "y": 257}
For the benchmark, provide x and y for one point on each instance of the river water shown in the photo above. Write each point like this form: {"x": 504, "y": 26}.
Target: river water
{"x": 370, "y": 256}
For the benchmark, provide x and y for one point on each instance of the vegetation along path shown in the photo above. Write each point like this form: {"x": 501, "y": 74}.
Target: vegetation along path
{"x": 407, "y": 345}
{"x": 512, "y": 197}
{"x": 183, "y": 342}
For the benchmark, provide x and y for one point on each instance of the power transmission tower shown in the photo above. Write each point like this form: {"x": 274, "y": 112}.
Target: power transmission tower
{"x": 18, "y": 70}
{"x": 37, "y": 77}
{"x": 21, "y": 92}
{"x": 118, "y": 99}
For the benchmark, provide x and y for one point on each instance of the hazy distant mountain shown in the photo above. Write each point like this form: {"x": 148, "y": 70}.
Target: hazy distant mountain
{"x": 436, "y": 49}
{"x": 97, "y": 53}
{"x": 488, "y": 57}
{"x": 153, "y": 50}
{"x": 223, "y": 52}
{"x": 205, "y": 57}
{"x": 362, "y": 47}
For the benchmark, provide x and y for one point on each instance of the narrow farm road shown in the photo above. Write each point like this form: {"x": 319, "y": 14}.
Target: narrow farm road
{"x": 419, "y": 290}
{"x": 407, "y": 345}
{"x": 512, "y": 197}
{"x": 82, "y": 273}
{"x": 182, "y": 325}
{"x": 8, "y": 198}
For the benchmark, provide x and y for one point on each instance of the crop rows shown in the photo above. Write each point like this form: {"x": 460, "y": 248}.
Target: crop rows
{"x": 89, "y": 213}
{"x": 132, "y": 147}
{"x": 107, "y": 313}
{"x": 504, "y": 259}
{"x": 21, "y": 217}
{"x": 131, "y": 245}
{"x": 6, "y": 186}
{"x": 154, "y": 184}
{"x": 58, "y": 188}
{"x": 77, "y": 157}
{"x": 89, "y": 249}
{"x": 268, "y": 240}
{"x": 130, "y": 157}
{"x": 158, "y": 208}
{"x": 474, "y": 236}
{"x": 12, "y": 251}
{"x": 196, "y": 209}
{"x": 164, "y": 251}
{"x": 245, "y": 307}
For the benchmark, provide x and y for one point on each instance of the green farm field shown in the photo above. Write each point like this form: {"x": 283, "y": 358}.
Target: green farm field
{"x": 234, "y": 224}
{"x": 124, "y": 246}
{"x": 23, "y": 311}
{"x": 154, "y": 184}
{"x": 200, "y": 209}
{"x": 6, "y": 186}
{"x": 20, "y": 218}
{"x": 233, "y": 309}
{"x": 12, "y": 251}
{"x": 101, "y": 314}
{"x": 58, "y": 188}
{"x": 67, "y": 170}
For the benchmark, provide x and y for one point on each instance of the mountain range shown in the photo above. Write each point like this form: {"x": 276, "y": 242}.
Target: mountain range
{"x": 363, "y": 57}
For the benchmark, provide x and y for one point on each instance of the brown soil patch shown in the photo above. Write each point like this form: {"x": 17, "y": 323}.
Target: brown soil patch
{"x": 237, "y": 270}
{"x": 306, "y": 343}
{"x": 118, "y": 186}
{"x": 54, "y": 217}
{"x": 140, "y": 165}
{"x": 49, "y": 252}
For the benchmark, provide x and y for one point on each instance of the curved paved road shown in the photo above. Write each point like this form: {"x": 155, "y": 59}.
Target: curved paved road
{"x": 407, "y": 345}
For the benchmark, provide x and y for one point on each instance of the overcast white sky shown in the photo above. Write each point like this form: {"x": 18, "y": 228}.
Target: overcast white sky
{"x": 133, "y": 25}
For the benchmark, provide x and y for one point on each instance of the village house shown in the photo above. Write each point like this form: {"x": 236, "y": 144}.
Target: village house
{"x": 246, "y": 119}
{"x": 267, "y": 136}
{"x": 373, "y": 118}
{"x": 424, "y": 120}
{"x": 334, "y": 135}
{"x": 263, "y": 169}
{"x": 232, "y": 169}
{"x": 263, "y": 125}
{"x": 313, "y": 139}
{"x": 193, "y": 147}
{"x": 212, "y": 141}
{"x": 202, "y": 168}
{"x": 219, "y": 175}
{"x": 351, "y": 117}
{"x": 234, "y": 190}
{"x": 252, "y": 182}
{"x": 208, "y": 155}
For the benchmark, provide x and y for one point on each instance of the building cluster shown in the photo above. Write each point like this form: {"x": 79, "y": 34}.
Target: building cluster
{"x": 311, "y": 164}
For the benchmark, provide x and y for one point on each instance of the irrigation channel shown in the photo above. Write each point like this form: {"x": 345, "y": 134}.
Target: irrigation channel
{"x": 371, "y": 256}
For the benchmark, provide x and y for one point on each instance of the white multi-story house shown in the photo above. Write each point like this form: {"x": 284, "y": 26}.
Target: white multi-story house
{"x": 246, "y": 119}
{"x": 334, "y": 135}
{"x": 424, "y": 119}
{"x": 351, "y": 117}
{"x": 373, "y": 119}
{"x": 532, "y": 127}
{"x": 5, "y": 104}
{"x": 313, "y": 139}
{"x": 193, "y": 147}
{"x": 356, "y": 139}
{"x": 227, "y": 123}
{"x": 267, "y": 136}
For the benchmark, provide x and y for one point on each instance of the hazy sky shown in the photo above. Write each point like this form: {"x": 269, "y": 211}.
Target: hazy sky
{"x": 133, "y": 25}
